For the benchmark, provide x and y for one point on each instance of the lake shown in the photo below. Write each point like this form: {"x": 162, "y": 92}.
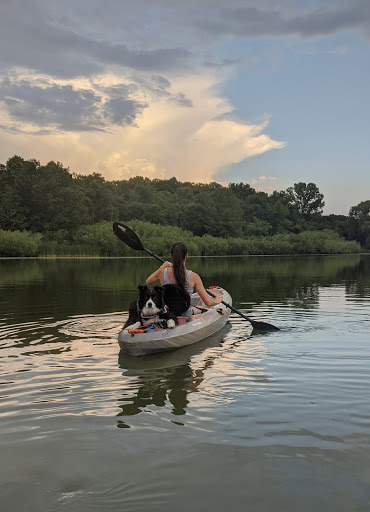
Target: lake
{"x": 239, "y": 421}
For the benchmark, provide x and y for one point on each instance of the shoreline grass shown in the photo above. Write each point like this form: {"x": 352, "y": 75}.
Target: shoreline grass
{"x": 98, "y": 241}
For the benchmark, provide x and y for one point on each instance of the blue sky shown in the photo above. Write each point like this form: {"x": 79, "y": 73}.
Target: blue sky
{"x": 316, "y": 94}
{"x": 268, "y": 92}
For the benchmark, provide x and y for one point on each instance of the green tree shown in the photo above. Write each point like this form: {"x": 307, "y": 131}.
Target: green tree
{"x": 56, "y": 203}
{"x": 306, "y": 198}
{"x": 16, "y": 192}
{"x": 195, "y": 217}
{"x": 255, "y": 206}
{"x": 258, "y": 227}
{"x": 359, "y": 223}
{"x": 100, "y": 197}
{"x": 241, "y": 190}
{"x": 279, "y": 214}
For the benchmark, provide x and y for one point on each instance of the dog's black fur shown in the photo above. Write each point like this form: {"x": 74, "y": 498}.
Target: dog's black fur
{"x": 149, "y": 308}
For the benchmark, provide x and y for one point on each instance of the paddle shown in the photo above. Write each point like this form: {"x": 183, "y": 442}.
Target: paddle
{"x": 258, "y": 326}
{"x": 131, "y": 239}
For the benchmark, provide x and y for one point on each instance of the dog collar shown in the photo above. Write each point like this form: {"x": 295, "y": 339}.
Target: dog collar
{"x": 163, "y": 310}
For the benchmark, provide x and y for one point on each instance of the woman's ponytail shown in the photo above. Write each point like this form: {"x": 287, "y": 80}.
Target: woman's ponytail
{"x": 178, "y": 254}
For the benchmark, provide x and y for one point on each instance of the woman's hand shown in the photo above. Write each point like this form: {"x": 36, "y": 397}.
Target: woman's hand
{"x": 158, "y": 274}
{"x": 217, "y": 300}
{"x": 166, "y": 264}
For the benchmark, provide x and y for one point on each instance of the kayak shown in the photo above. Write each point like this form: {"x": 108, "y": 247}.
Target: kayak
{"x": 156, "y": 338}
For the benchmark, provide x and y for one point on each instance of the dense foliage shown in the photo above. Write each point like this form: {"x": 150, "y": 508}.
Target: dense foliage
{"x": 18, "y": 243}
{"x": 99, "y": 240}
{"x": 359, "y": 223}
{"x": 70, "y": 212}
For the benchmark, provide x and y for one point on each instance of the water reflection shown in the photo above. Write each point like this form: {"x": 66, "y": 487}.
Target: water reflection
{"x": 167, "y": 378}
{"x": 31, "y": 289}
{"x": 158, "y": 387}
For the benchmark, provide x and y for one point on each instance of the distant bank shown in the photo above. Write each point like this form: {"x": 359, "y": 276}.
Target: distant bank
{"x": 98, "y": 240}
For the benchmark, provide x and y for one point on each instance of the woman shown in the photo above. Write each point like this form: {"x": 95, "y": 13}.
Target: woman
{"x": 176, "y": 273}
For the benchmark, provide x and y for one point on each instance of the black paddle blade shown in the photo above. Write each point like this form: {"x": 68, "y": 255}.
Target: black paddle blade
{"x": 263, "y": 326}
{"x": 128, "y": 236}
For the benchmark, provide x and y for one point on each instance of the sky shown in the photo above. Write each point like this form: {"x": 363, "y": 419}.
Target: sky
{"x": 265, "y": 92}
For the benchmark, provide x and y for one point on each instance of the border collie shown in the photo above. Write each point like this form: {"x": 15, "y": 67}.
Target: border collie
{"x": 149, "y": 309}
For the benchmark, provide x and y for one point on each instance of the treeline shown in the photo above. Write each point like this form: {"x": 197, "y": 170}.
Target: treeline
{"x": 99, "y": 240}
{"x": 60, "y": 205}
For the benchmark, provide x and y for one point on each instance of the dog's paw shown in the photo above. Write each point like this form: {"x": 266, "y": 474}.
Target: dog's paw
{"x": 171, "y": 323}
{"x": 133, "y": 326}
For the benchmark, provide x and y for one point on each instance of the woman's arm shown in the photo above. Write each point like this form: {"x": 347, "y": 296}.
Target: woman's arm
{"x": 207, "y": 299}
{"x": 158, "y": 274}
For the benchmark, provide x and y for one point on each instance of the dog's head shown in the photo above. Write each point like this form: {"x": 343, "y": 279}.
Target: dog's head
{"x": 151, "y": 299}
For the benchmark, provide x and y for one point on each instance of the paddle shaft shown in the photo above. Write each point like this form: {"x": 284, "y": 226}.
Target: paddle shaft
{"x": 231, "y": 307}
{"x": 152, "y": 254}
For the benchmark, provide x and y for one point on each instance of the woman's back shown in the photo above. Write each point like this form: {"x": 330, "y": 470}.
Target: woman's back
{"x": 169, "y": 278}
{"x": 176, "y": 297}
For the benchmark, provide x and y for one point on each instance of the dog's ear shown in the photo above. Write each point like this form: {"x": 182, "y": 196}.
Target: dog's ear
{"x": 159, "y": 289}
{"x": 142, "y": 287}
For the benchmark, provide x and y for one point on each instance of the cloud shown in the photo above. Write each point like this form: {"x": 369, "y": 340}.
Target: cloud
{"x": 221, "y": 63}
{"x": 67, "y": 51}
{"x": 69, "y": 39}
{"x": 191, "y": 144}
{"x": 121, "y": 166}
{"x": 263, "y": 183}
{"x": 262, "y": 179}
{"x": 122, "y": 111}
{"x": 158, "y": 87}
{"x": 227, "y": 141}
{"x": 172, "y": 140}
{"x": 64, "y": 107}
{"x": 340, "y": 50}
{"x": 39, "y": 104}
{"x": 249, "y": 21}
{"x": 50, "y": 105}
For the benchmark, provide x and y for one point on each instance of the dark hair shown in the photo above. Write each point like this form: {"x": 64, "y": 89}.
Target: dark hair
{"x": 178, "y": 253}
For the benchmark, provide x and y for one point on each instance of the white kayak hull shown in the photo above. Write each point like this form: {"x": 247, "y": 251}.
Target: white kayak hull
{"x": 199, "y": 327}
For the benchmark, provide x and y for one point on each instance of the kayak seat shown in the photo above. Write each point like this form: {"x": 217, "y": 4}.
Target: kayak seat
{"x": 177, "y": 299}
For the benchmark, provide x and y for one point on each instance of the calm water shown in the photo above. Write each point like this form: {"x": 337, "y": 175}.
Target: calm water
{"x": 276, "y": 422}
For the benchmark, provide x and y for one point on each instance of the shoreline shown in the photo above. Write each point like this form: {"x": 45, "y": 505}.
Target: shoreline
{"x": 86, "y": 257}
